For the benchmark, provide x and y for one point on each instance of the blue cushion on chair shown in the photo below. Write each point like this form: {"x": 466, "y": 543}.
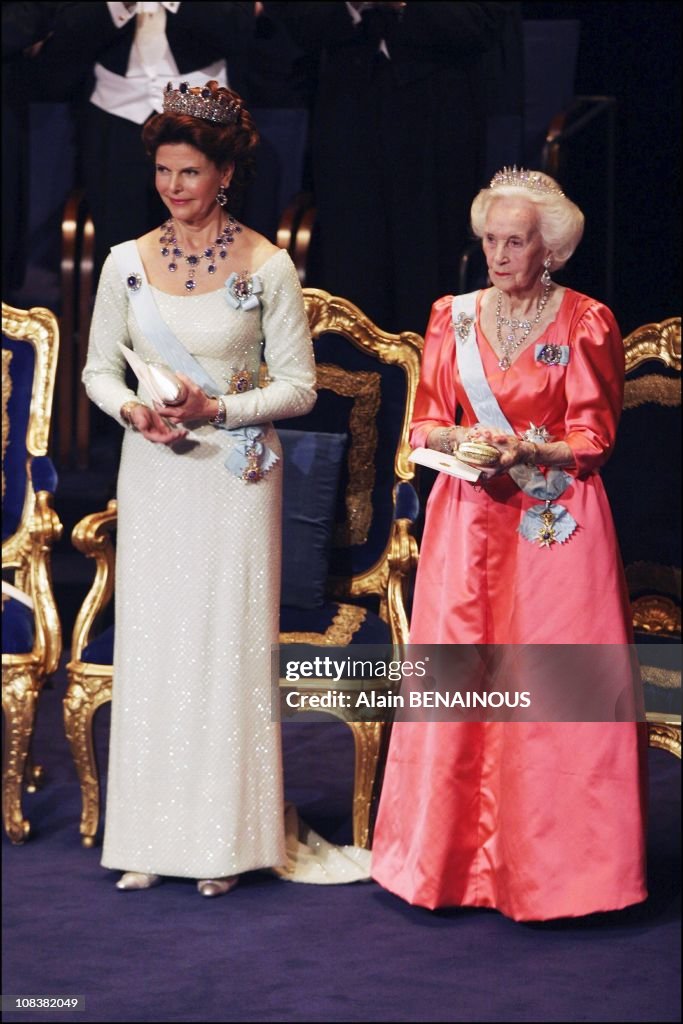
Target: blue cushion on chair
{"x": 100, "y": 651}
{"x": 312, "y": 464}
{"x": 43, "y": 474}
{"x": 14, "y": 460}
{"x": 17, "y": 627}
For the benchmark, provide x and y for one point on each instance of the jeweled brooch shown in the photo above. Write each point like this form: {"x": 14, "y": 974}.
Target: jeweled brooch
{"x": 537, "y": 435}
{"x": 252, "y": 472}
{"x": 242, "y": 290}
{"x": 552, "y": 355}
{"x": 134, "y": 282}
{"x": 463, "y": 325}
{"x": 239, "y": 381}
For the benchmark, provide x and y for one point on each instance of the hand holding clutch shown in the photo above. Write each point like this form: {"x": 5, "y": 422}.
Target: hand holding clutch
{"x": 478, "y": 453}
{"x": 161, "y": 383}
{"x": 171, "y": 389}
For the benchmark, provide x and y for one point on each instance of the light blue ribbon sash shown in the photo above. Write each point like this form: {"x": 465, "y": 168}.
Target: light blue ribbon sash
{"x": 470, "y": 366}
{"x": 248, "y": 446}
{"x": 558, "y": 522}
{"x": 153, "y": 326}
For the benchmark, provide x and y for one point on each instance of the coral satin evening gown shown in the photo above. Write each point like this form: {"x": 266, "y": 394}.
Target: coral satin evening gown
{"x": 539, "y": 820}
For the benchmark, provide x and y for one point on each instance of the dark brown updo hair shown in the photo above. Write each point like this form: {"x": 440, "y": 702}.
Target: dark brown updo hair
{"x": 223, "y": 144}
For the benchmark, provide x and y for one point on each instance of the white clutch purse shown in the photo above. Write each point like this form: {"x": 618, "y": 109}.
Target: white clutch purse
{"x": 159, "y": 380}
{"x": 445, "y": 464}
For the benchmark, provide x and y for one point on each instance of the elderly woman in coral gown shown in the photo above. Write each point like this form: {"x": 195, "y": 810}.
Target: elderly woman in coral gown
{"x": 537, "y": 819}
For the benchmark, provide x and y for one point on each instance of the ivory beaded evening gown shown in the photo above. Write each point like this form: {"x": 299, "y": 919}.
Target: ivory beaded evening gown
{"x": 195, "y": 783}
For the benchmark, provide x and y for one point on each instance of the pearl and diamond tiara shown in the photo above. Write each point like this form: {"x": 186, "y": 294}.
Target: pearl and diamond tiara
{"x": 201, "y": 102}
{"x": 521, "y": 178}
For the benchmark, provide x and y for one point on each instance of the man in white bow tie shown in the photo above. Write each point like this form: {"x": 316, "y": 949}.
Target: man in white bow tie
{"x": 122, "y": 55}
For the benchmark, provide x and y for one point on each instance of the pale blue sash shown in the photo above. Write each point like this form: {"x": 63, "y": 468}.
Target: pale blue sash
{"x": 250, "y": 458}
{"x": 470, "y": 366}
{"x": 547, "y": 523}
{"x": 151, "y": 323}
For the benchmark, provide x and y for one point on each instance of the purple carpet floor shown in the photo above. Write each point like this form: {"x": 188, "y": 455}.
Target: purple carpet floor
{"x": 275, "y": 951}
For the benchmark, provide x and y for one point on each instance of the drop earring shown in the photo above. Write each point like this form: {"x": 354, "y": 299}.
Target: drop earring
{"x": 222, "y": 197}
{"x": 546, "y": 279}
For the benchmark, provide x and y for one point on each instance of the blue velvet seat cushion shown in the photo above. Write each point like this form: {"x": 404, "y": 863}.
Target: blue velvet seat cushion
{"x": 647, "y": 528}
{"x": 312, "y": 463}
{"x": 662, "y": 699}
{"x": 18, "y": 631}
{"x": 335, "y": 412}
{"x": 43, "y": 474}
{"x": 100, "y": 651}
{"x": 14, "y": 460}
{"x": 407, "y": 502}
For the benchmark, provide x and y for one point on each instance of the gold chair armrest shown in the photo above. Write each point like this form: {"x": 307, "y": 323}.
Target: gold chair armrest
{"x": 92, "y": 536}
{"x": 45, "y": 529}
{"x": 403, "y": 557}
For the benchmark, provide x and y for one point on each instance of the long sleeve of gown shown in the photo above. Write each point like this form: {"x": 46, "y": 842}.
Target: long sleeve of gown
{"x": 104, "y": 375}
{"x": 435, "y": 401}
{"x": 288, "y": 352}
{"x": 594, "y": 388}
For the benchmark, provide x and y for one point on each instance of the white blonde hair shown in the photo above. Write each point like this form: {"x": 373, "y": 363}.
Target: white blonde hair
{"x": 560, "y": 221}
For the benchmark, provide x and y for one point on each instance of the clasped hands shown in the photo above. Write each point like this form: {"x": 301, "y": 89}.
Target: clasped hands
{"x": 514, "y": 451}
{"x": 163, "y": 423}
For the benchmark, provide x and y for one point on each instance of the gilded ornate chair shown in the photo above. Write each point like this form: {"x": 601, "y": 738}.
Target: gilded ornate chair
{"x": 348, "y": 551}
{"x": 31, "y": 634}
{"x": 643, "y": 480}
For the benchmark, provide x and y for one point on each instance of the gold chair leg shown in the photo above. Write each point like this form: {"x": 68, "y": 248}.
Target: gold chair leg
{"x": 367, "y": 738}
{"x": 34, "y": 774}
{"x": 82, "y": 699}
{"x": 19, "y": 697}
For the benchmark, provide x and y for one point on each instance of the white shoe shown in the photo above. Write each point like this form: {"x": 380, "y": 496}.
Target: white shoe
{"x": 216, "y": 886}
{"x": 137, "y": 880}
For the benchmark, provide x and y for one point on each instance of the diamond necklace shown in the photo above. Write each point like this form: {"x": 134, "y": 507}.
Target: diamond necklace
{"x": 509, "y": 345}
{"x": 170, "y": 247}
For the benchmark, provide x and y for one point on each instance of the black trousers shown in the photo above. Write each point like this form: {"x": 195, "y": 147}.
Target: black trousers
{"x": 119, "y": 181}
{"x": 396, "y": 167}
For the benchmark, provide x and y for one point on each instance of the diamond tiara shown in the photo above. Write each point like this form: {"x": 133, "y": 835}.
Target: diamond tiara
{"x": 530, "y": 180}
{"x": 202, "y": 103}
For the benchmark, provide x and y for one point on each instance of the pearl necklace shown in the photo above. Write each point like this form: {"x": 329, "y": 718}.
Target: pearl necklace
{"x": 509, "y": 345}
{"x": 170, "y": 247}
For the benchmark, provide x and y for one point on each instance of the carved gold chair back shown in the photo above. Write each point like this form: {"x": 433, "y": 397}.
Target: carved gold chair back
{"x": 643, "y": 479}
{"x": 30, "y": 624}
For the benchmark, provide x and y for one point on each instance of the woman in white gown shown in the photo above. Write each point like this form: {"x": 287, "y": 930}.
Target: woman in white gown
{"x": 195, "y": 782}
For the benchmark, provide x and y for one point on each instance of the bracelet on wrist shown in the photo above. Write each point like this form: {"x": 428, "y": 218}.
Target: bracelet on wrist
{"x": 125, "y": 411}
{"x": 221, "y": 414}
{"x": 445, "y": 443}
